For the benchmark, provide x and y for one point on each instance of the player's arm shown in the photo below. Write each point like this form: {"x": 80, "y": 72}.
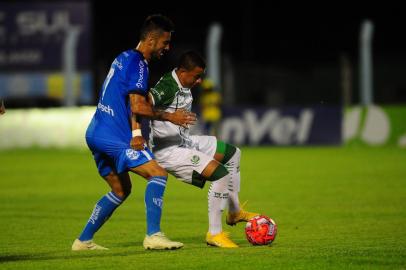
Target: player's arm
{"x": 141, "y": 107}
{"x": 137, "y": 141}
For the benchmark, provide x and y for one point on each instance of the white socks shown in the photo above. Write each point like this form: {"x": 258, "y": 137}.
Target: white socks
{"x": 218, "y": 197}
{"x": 224, "y": 191}
{"x": 233, "y": 166}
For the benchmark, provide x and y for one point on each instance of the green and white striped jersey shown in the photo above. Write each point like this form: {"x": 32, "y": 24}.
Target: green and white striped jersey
{"x": 169, "y": 95}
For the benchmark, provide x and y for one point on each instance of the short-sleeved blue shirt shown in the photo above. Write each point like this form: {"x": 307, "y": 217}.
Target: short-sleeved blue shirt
{"x": 109, "y": 132}
{"x": 128, "y": 74}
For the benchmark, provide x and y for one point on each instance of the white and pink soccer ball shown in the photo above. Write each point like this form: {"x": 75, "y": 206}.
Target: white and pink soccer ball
{"x": 261, "y": 230}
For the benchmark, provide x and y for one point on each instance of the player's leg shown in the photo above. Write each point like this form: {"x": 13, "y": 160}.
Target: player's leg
{"x": 104, "y": 208}
{"x": 230, "y": 156}
{"x": 195, "y": 168}
{"x": 154, "y": 192}
{"x": 217, "y": 199}
{"x": 217, "y": 195}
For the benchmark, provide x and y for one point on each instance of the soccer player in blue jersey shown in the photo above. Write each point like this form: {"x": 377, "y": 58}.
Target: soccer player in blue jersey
{"x": 114, "y": 136}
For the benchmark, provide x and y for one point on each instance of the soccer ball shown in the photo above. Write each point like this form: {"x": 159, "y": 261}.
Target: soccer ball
{"x": 260, "y": 230}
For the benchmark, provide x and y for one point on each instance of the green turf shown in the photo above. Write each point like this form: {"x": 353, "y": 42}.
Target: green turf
{"x": 336, "y": 208}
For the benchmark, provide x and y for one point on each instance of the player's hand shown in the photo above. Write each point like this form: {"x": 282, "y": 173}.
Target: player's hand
{"x": 183, "y": 118}
{"x": 138, "y": 143}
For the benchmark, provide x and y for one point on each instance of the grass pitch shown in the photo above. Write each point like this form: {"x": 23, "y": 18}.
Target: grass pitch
{"x": 336, "y": 208}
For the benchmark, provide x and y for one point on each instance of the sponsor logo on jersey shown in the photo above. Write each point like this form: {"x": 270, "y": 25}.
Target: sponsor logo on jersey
{"x": 141, "y": 74}
{"x": 195, "y": 160}
{"x": 132, "y": 154}
{"x": 105, "y": 109}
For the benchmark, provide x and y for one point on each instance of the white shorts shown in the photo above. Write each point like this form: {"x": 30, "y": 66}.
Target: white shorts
{"x": 181, "y": 162}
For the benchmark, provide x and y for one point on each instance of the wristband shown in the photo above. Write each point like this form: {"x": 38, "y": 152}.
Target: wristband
{"x": 136, "y": 133}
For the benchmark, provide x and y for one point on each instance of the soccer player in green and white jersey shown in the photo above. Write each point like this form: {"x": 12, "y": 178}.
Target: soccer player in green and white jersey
{"x": 196, "y": 159}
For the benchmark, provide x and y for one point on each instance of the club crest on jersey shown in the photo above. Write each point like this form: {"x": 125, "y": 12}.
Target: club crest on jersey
{"x": 195, "y": 160}
{"x": 132, "y": 154}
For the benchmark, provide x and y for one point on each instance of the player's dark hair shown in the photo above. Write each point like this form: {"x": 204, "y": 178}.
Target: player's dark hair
{"x": 191, "y": 59}
{"x": 156, "y": 23}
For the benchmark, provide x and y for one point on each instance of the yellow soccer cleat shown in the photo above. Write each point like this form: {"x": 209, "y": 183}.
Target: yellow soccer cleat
{"x": 242, "y": 215}
{"x": 160, "y": 241}
{"x": 221, "y": 240}
{"x": 86, "y": 245}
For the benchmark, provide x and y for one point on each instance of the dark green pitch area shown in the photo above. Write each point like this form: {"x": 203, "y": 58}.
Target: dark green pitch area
{"x": 336, "y": 208}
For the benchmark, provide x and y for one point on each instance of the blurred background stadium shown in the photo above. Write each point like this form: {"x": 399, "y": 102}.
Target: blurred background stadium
{"x": 326, "y": 75}
{"x": 298, "y": 74}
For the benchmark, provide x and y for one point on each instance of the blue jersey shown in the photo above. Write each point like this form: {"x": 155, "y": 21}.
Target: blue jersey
{"x": 112, "y": 120}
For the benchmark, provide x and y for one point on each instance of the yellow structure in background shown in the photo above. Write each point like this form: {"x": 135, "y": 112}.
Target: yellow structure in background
{"x": 56, "y": 85}
{"x": 210, "y": 102}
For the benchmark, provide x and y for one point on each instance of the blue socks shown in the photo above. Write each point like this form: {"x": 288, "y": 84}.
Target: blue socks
{"x": 153, "y": 203}
{"x": 108, "y": 203}
{"x": 101, "y": 212}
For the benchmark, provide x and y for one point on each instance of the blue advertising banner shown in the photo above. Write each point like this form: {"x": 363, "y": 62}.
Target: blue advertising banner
{"x": 282, "y": 126}
{"x": 45, "y": 51}
{"x": 32, "y": 34}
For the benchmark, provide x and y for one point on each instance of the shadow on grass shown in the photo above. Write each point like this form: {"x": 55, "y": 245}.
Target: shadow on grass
{"x": 191, "y": 243}
{"x": 72, "y": 255}
{"x": 193, "y": 240}
{"x": 57, "y": 255}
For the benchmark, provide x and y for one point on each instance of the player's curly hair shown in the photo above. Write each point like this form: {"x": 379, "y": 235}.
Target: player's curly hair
{"x": 156, "y": 23}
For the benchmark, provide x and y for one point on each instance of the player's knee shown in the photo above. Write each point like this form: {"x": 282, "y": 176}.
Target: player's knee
{"x": 157, "y": 171}
{"x": 230, "y": 151}
{"x": 218, "y": 173}
{"x": 126, "y": 192}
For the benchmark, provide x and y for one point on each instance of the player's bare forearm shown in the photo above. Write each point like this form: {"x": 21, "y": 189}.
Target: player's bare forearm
{"x": 137, "y": 141}
{"x": 140, "y": 106}
{"x": 135, "y": 122}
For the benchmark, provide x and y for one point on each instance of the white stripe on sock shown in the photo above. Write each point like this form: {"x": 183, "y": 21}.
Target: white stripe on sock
{"x": 156, "y": 182}
{"x": 111, "y": 199}
{"x": 114, "y": 196}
